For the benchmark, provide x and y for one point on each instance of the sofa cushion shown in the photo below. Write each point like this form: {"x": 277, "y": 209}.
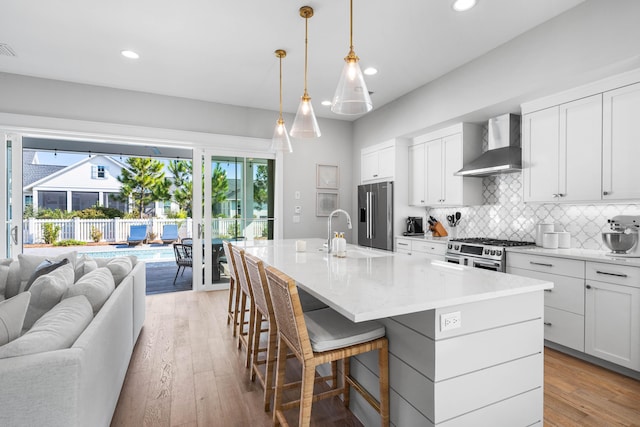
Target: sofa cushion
{"x": 87, "y": 264}
{"x": 46, "y": 292}
{"x": 59, "y": 328}
{"x": 4, "y": 274}
{"x": 13, "y": 280}
{"x": 45, "y": 267}
{"x": 12, "y": 312}
{"x": 120, "y": 267}
{"x": 29, "y": 263}
{"x": 97, "y": 286}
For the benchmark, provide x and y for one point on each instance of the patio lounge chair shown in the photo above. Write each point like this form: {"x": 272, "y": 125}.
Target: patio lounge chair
{"x": 169, "y": 234}
{"x": 137, "y": 234}
{"x": 184, "y": 258}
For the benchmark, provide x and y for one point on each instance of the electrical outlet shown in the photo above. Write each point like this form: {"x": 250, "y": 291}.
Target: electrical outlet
{"x": 450, "y": 321}
{"x": 297, "y": 209}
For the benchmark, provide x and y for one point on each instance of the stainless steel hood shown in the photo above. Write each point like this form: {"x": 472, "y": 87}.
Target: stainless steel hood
{"x": 504, "y": 154}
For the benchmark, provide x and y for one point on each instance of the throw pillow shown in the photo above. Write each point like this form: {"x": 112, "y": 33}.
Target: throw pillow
{"x": 45, "y": 267}
{"x": 97, "y": 286}
{"x": 29, "y": 263}
{"x": 46, "y": 292}
{"x": 119, "y": 268}
{"x": 57, "y": 329}
{"x": 4, "y": 274}
{"x": 12, "y": 312}
{"x": 90, "y": 264}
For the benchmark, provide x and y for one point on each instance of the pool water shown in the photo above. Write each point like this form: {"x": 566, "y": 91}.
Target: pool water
{"x": 154, "y": 254}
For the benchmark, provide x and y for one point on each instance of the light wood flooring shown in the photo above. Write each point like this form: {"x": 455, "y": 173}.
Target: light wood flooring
{"x": 186, "y": 371}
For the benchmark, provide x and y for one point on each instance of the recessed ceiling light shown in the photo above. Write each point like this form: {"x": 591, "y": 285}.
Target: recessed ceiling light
{"x": 130, "y": 54}
{"x": 326, "y": 103}
{"x": 370, "y": 71}
{"x": 462, "y": 5}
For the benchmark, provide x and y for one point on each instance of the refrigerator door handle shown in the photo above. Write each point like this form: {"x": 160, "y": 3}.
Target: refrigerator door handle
{"x": 372, "y": 214}
{"x": 368, "y": 214}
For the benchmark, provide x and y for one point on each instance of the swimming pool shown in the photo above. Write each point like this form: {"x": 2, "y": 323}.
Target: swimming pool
{"x": 151, "y": 254}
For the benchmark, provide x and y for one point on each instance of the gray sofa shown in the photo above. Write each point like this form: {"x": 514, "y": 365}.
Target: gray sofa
{"x": 80, "y": 385}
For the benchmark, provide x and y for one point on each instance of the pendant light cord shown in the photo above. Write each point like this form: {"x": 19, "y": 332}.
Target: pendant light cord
{"x": 306, "y": 44}
{"x": 351, "y": 24}
{"x": 280, "y": 87}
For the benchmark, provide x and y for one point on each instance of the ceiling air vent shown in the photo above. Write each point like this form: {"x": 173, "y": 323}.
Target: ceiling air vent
{"x": 5, "y": 50}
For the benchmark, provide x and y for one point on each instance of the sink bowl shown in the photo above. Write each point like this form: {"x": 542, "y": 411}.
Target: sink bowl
{"x": 618, "y": 242}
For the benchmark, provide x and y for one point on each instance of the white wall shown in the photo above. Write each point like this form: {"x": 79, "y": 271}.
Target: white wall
{"x": 31, "y": 96}
{"x": 597, "y": 39}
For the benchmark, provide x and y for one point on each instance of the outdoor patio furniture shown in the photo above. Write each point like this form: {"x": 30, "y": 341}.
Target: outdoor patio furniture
{"x": 137, "y": 234}
{"x": 169, "y": 234}
{"x": 184, "y": 258}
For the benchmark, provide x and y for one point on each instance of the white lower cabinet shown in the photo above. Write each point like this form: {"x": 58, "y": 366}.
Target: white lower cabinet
{"x": 432, "y": 249}
{"x": 612, "y": 314}
{"x": 594, "y": 307}
{"x": 403, "y": 245}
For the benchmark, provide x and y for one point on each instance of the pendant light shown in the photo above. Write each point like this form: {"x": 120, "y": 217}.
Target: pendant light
{"x": 305, "y": 124}
{"x": 352, "y": 96}
{"x": 280, "y": 140}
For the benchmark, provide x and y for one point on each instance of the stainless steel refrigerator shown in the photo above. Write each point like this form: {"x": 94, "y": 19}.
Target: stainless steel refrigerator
{"x": 375, "y": 215}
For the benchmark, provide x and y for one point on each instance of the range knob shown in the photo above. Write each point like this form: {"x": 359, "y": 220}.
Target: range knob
{"x": 493, "y": 251}
{"x": 486, "y": 251}
{"x": 499, "y": 253}
{"x": 457, "y": 247}
{"x": 450, "y": 246}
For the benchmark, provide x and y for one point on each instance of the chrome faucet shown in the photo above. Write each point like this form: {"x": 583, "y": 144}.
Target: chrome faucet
{"x": 329, "y": 226}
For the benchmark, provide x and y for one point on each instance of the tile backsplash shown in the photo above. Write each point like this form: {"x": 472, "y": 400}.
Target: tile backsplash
{"x": 504, "y": 215}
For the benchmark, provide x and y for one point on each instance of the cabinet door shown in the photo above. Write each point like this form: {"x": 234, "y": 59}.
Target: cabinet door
{"x": 612, "y": 323}
{"x": 369, "y": 166}
{"x": 386, "y": 163}
{"x": 580, "y": 154}
{"x": 452, "y": 161}
{"x": 434, "y": 173}
{"x": 621, "y": 147}
{"x": 540, "y": 155}
{"x": 417, "y": 175}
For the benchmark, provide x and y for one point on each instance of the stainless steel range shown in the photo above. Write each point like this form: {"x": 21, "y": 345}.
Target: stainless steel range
{"x": 481, "y": 252}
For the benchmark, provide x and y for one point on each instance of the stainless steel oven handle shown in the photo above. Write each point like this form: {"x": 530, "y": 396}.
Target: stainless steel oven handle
{"x": 491, "y": 264}
{"x": 454, "y": 259}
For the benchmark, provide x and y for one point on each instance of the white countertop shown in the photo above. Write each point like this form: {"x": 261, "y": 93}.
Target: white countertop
{"x": 578, "y": 254}
{"x": 427, "y": 237}
{"x": 373, "y": 284}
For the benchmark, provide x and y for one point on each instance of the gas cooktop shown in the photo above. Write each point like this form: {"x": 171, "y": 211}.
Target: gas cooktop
{"x": 485, "y": 241}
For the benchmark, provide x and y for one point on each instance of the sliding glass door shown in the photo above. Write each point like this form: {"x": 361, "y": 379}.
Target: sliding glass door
{"x": 237, "y": 204}
{"x": 11, "y": 195}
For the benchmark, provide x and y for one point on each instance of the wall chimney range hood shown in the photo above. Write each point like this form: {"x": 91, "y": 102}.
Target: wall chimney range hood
{"x": 504, "y": 154}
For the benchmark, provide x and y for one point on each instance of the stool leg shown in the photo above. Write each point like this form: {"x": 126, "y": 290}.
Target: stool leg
{"x": 346, "y": 372}
{"x": 236, "y": 310}
{"x": 252, "y": 320}
{"x": 334, "y": 375}
{"x": 281, "y": 362}
{"x": 306, "y": 395}
{"x": 231, "y": 296}
{"x": 383, "y": 370}
{"x": 243, "y": 304}
{"x": 257, "y": 325}
{"x": 268, "y": 372}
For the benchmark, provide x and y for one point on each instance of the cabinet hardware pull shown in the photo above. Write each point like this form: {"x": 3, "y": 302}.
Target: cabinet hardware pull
{"x": 375, "y": 175}
{"x": 548, "y": 290}
{"x": 605, "y": 193}
{"x": 554, "y": 195}
{"x": 588, "y": 286}
{"x": 540, "y": 263}
{"x": 403, "y": 244}
{"x": 611, "y": 274}
{"x": 547, "y": 323}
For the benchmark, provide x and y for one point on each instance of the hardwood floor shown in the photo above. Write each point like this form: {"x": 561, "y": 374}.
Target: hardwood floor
{"x": 186, "y": 371}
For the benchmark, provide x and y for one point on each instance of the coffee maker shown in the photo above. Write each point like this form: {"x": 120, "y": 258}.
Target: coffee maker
{"x": 414, "y": 226}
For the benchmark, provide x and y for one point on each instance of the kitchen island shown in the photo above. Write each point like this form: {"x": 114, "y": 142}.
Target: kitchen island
{"x": 466, "y": 345}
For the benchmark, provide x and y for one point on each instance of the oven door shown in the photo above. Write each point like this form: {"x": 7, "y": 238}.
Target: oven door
{"x": 455, "y": 259}
{"x": 486, "y": 264}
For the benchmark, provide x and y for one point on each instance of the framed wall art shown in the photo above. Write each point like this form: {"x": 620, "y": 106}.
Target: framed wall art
{"x": 326, "y": 202}
{"x": 327, "y": 177}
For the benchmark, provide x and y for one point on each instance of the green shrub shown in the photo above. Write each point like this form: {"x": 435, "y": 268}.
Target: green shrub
{"x": 69, "y": 242}
{"x": 50, "y": 232}
{"x": 96, "y": 234}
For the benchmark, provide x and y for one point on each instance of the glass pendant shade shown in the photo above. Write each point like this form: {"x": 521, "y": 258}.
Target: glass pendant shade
{"x": 305, "y": 124}
{"x": 352, "y": 95}
{"x": 280, "y": 140}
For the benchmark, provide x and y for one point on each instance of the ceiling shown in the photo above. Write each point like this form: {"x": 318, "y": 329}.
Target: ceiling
{"x": 223, "y": 51}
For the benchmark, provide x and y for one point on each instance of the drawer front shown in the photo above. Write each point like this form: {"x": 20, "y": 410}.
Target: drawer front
{"x": 403, "y": 245}
{"x": 564, "y": 328}
{"x": 429, "y": 247}
{"x": 613, "y": 273}
{"x": 567, "y": 293}
{"x": 546, "y": 264}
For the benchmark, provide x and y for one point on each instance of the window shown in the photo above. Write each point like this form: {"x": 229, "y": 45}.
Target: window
{"x": 98, "y": 172}
{"x": 111, "y": 201}
{"x": 83, "y": 200}
{"x": 52, "y": 200}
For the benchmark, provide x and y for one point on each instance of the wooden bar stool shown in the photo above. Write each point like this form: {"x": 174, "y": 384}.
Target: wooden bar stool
{"x": 264, "y": 311}
{"x": 234, "y": 293}
{"x": 318, "y": 337}
{"x": 245, "y": 338}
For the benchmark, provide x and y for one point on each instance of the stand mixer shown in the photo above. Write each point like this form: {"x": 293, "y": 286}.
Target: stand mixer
{"x": 622, "y": 240}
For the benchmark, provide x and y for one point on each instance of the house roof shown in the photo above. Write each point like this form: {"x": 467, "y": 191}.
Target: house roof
{"x": 33, "y": 172}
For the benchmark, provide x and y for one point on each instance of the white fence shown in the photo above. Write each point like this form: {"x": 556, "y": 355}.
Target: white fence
{"x": 117, "y": 229}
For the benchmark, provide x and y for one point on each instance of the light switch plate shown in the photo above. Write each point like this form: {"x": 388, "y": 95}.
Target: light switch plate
{"x": 297, "y": 195}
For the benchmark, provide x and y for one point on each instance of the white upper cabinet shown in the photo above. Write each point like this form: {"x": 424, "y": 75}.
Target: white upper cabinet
{"x": 440, "y": 155}
{"x": 562, "y": 148}
{"x": 621, "y": 143}
{"x": 378, "y": 162}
